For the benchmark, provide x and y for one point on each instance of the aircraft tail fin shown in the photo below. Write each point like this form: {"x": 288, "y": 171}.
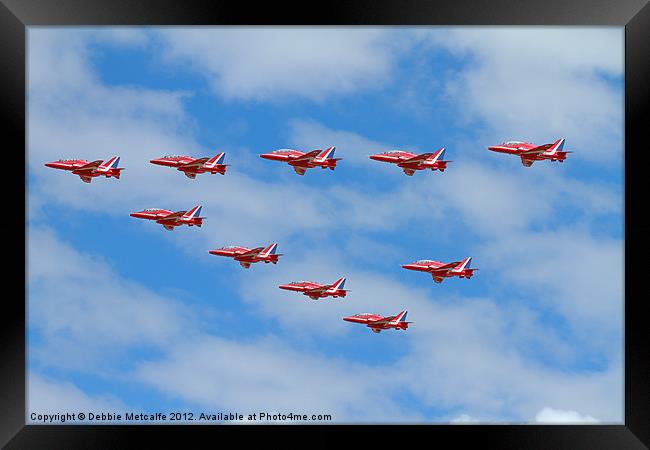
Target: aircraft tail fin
{"x": 215, "y": 160}
{"x": 338, "y": 284}
{"x": 556, "y": 147}
{"x": 400, "y": 318}
{"x": 109, "y": 164}
{"x": 270, "y": 250}
{"x": 328, "y": 153}
{"x": 464, "y": 264}
{"x": 193, "y": 213}
{"x": 439, "y": 155}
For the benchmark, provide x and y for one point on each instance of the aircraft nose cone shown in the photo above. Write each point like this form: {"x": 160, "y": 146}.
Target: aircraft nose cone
{"x": 375, "y": 157}
{"x": 51, "y": 164}
{"x": 158, "y": 161}
{"x": 265, "y": 156}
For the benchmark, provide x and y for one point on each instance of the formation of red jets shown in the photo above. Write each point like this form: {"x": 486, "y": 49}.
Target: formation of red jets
{"x": 301, "y": 161}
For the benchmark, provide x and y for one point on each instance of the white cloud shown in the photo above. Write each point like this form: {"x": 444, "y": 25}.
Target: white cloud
{"x": 539, "y": 84}
{"x": 49, "y": 397}
{"x": 87, "y": 312}
{"x": 265, "y": 375}
{"x": 575, "y": 273}
{"x": 560, "y": 416}
{"x": 264, "y": 63}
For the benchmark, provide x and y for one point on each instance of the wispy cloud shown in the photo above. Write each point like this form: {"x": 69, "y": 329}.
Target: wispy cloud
{"x": 539, "y": 84}
{"x": 272, "y": 63}
{"x": 49, "y": 401}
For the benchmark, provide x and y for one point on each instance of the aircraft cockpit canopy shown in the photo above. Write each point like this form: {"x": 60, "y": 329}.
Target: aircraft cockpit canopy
{"x": 283, "y": 151}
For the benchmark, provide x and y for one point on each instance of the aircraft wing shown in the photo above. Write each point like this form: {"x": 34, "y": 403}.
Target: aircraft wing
{"x": 299, "y": 170}
{"x": 307, "y": 156}
{"x": 172, "y": 216}
{"x": 537, "y": 150}
{"x": 417, "y": 159}
{"x": 383, "y": 321}
{"x": 194, "y": 164}
{"x": 527, "y": 162}
{"x": 252, "y": 252}
{"x": 319, "y": 289}
{"x": 446, "y": 267}
{"x": 90, "y": 166}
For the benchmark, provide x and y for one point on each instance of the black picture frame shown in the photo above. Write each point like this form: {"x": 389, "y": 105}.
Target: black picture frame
{"x": 634, "y": 15}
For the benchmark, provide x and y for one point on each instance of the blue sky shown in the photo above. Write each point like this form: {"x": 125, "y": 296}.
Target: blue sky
{"x": 126, "y": 316}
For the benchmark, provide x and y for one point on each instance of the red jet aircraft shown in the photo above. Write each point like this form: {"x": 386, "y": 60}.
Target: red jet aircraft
{"x": 89, "y": 170}
{"x": 440, "y": 270}
{"x": 410, "y": 162}
{"x": 377, "y": 323}
{"x": 247, "y": 256}
{"x": 302, "y": 161}
{"x": 529, "y": 153}
{"x": 191, "y": 167}
{"x": 170, "y": 219}
{"x": 315, "y": 290}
